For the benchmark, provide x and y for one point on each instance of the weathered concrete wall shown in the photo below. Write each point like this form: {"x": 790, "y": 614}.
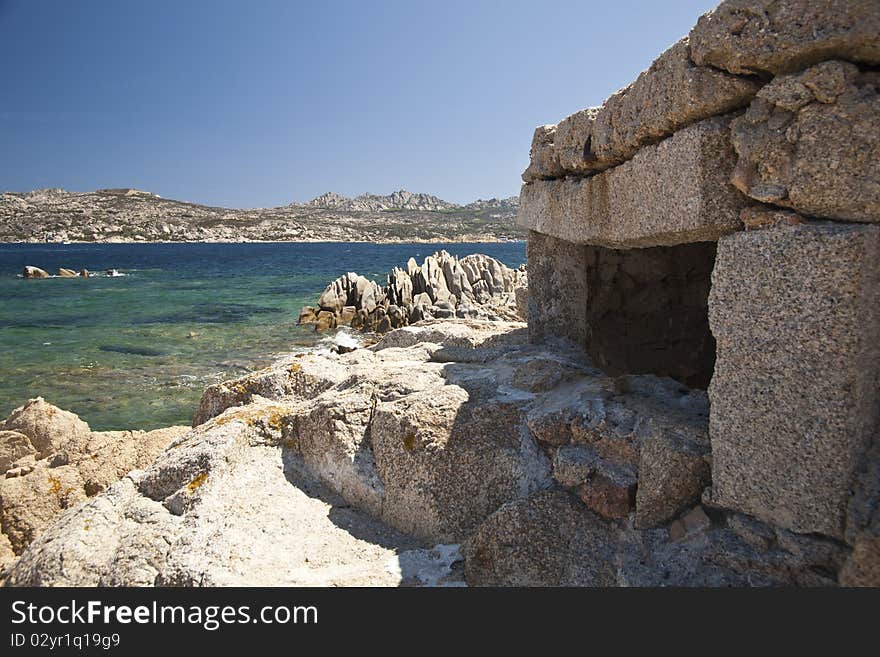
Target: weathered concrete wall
{"x": 759, "y": 131}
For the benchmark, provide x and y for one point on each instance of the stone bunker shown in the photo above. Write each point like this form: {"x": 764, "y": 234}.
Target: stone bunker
{"x": 635, "y": 311}
{"x": 717, "y": 221}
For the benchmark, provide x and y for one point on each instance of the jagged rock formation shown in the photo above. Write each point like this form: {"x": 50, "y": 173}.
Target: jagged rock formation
{"x": 475, "y": 286}
{"x": 400, "y": 200}
{"x": 713, "y": 226}
{"x": 719, "y": 219}
{"x": 130, "y": 215}
{"x": 52, "y": 461}
{"x": 548, "y": 471}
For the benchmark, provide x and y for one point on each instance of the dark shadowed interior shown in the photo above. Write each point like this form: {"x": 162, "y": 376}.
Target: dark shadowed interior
{"x": 647, "y": 311}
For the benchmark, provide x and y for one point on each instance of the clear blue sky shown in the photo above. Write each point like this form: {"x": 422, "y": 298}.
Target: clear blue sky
{"x": 259, "y": 103}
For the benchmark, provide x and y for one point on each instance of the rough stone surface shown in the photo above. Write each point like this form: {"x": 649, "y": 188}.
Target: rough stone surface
{"x": 809, "y": 141}
{"x": 13, "y": 446}
{"x": 673, "y": 471}
{"x": 626, "y": 442}
{"x": 782, "y": 36}
{"x": 32, "y": 502}
{"x": 448, "y": 461}
{"x": 48, "y": 427}
{"x": 862, "y": 568}
{"x": 549, "y": 539}
{"x": 74, "y": 463}
{"x": 646, "y": 311}
{"x": 558, "y": 289}
{"x": 297, "y": 376}
{"x": 795, "y": 391}
{"x": 399, "y": 417}
{"x": 674, "y": 192}
{"x": 863, "y": 522}
{"x": 473, "y": 287}
{"x": 609, "y": 490}
{"x": 757, "y": 217}
{"x": 670, "y": 95}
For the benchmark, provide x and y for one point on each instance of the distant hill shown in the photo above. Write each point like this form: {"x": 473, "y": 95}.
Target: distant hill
{"x": 131, "y": 215}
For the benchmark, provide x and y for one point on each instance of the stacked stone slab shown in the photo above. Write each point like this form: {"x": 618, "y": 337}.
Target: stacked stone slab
{"x": 748, "y": 152}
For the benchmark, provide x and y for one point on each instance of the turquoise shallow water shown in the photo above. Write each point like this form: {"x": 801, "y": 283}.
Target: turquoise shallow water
{"x": 118, "y": 351}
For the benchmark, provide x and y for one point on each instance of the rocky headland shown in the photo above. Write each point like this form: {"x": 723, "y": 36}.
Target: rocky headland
{"x": 130, "y": 215}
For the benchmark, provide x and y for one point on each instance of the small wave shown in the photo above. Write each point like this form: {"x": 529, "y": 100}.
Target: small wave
{"x": 342, "y": 338}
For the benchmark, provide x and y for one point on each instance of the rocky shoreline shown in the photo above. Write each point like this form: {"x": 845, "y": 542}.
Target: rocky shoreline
{"x": 135, "y": 216}
{"x": 451, "y": 452}
{"x": 443, "y": 286}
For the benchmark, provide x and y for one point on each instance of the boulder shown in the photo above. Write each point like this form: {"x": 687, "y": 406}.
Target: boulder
{"x": 66, "y": 273}
{"x": 302, "y": 376}
{"x": 308, "y": 315}
{"x": 673, "y": 472}
{"x": 34, "y": 272}
{"x": 32, "y": 502}
{"x": 49, "y": 428}
{"x": 13, "y": 446}
{"x": 548, "y": 539}
{"x": 483, "y": 286}
{"x": 326, "y": 320}
{"x": 52, "y": 461}
{"x": 672, "y": 94}
{"x": 448, "y": 463}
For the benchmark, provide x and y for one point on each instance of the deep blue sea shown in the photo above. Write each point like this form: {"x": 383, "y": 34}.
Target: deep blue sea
{"x": 136, "y": 351}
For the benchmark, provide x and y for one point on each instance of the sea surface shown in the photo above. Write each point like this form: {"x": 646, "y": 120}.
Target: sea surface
{"x": 135, "y": 351}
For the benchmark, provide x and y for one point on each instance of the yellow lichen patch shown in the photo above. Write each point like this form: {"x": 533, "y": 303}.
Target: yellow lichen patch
{"x": 241, "y": 388}
{"x": 271, "y": 416}
{"x": 275, "y": 419}
{"x": 87, "y": 525}
{"x": 410, "y": 441}
{"x": 54, "y": 485}
{"x": 197, "y": 482}
{"x": 226, "y": 418}
{"x": 296, "y": 367}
